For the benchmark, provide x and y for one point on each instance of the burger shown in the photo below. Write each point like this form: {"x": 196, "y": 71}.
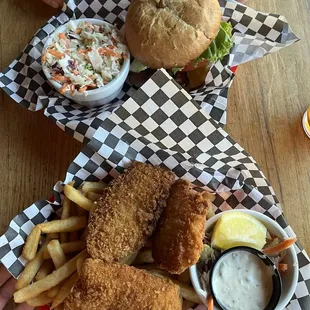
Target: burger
{"x": 183, "y": 36}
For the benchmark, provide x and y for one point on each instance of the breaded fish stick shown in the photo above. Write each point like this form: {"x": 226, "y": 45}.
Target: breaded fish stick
{"x": 178, "y": 239}
{"x": 128, "y": 211}
{"x": 107, "y": 286}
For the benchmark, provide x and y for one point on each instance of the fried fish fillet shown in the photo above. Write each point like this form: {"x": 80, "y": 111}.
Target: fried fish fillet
{"x": 108, "y": 286}
{"x": 128, "y": 212}
{"x": 178, "y": 239}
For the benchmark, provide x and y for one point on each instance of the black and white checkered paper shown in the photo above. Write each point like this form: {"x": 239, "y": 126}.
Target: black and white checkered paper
{"x": 256, "y": 34}
{"x": 161, "y": 124}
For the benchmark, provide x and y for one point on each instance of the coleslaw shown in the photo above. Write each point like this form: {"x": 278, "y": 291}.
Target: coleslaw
{"x": 85, "y": 57}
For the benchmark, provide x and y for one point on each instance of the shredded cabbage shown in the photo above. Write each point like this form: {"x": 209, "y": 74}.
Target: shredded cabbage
{"x": 85, "y": 56}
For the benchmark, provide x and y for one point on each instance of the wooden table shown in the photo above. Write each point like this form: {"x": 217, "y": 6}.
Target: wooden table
{"x": 266, "y": 103}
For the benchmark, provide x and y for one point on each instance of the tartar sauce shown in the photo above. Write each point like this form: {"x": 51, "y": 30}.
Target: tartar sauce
{"x": 242, "y": 281}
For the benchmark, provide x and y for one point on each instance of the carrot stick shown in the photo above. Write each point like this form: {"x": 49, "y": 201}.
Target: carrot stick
{"x": 56, "y": 54}
{"x": 60, "y": 78}
{"x": 62, "y": 36}
{"x": 107, "y": 52}
{"x": 280, "y": 247}
{"x": 78, "y": 30}
{"x": 63, "y": 89}
{"x": 282, "y": 267}
{"x": 43, "y": 58}
{"x": 82, "y": 51}
{"x": 210, "y": 303}
{"x": 82, "y": 89}
{"x": 72, "y": 88}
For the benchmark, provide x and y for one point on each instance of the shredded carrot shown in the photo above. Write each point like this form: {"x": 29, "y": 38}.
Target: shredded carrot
{"x": 55, "y": 53}
{"x": 72, "y": 88}
{"x": 62, "y": 35}
{"x": 280, "y": 247}
{"x": 63, "y": 88}
{"x": 107, "y": 52}
{"x": 60, "y": 78}
{"x": 82, "y": 51}
{"x": 82, "y": 89}
{"x": 75, "y": 72}
{"x": 210, "y": 303}
{"x": 282, "y": 267}
{"x": 111, "y": 47}
{"x": 78, "y": 30}
{"x": 43, "y": 57}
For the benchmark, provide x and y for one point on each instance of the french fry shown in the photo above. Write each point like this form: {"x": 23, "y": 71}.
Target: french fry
{"x": 93, "y": 196}
{"x": 79, "y": 264}
{"x": 65, "y": 290}
{"x": 53, "y": 236}
{"x": 66, "y": 225}
{"x": 50, "y": 281}
{"x": 69, "y": 247}
{"x": 78, "y": 198}
{"x": 74, "y": 235}
{"x": 66, "y": 210}
{"x": 46, "y": 268}
{"x": 184, "y": 277}
{"x": 32, "y": 243}
{"x": 94, "y": 187}
{"x": 144, "y": 257}
{"x": 209, "y": 196}
{"x": 32, "y": 268}
{"x": 40, "y": 300}
{"x": 56, "y": 253}
{"x": 59, "y": 212}
{"x": 52, "y": 292}
{"x": 59, "y": 259}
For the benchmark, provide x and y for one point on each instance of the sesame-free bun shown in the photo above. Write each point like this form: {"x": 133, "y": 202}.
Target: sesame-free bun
{"x": 171, "y": 33}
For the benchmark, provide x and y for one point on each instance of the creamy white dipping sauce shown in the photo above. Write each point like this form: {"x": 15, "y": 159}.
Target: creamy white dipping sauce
{"x": 241, "y": 281}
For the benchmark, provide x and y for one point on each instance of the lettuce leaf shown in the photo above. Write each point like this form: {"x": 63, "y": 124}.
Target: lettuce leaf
{"x": 220, "y": 46}
{"x": 136, "y": 66}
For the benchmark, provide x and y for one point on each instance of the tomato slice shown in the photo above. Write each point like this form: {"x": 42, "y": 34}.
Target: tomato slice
{"x": 44, "y": 308}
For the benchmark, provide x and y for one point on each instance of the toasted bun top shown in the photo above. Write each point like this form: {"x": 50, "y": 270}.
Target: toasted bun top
{"x": 171, "y": 33}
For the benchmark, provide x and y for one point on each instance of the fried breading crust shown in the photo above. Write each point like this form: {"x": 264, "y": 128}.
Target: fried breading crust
{"x": 178, "y": 238}
{"x": 128, "y": 212}
{"x": 107, "y": 286}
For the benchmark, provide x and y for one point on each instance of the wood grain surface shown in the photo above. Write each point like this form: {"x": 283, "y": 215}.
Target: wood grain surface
{"x": 266, "y": 104}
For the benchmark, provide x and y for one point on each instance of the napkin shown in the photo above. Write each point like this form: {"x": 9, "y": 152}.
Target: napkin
{"x": 165, "y": 126}
{"x": 256, "y": 34}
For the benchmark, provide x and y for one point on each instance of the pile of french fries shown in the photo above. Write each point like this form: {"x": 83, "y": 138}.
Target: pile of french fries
{"x": 56, "y": 251}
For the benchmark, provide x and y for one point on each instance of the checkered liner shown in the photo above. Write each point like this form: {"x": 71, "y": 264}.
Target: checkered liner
{"x": 255, "y": 35}
{"x": 162, "y": 125}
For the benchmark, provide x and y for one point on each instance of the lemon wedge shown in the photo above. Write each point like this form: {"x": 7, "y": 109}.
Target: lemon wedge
{"x": 238, "y": 229}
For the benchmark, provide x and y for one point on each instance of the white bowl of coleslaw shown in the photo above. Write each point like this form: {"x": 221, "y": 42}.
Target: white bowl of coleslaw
{"x": 86, "y": 61}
